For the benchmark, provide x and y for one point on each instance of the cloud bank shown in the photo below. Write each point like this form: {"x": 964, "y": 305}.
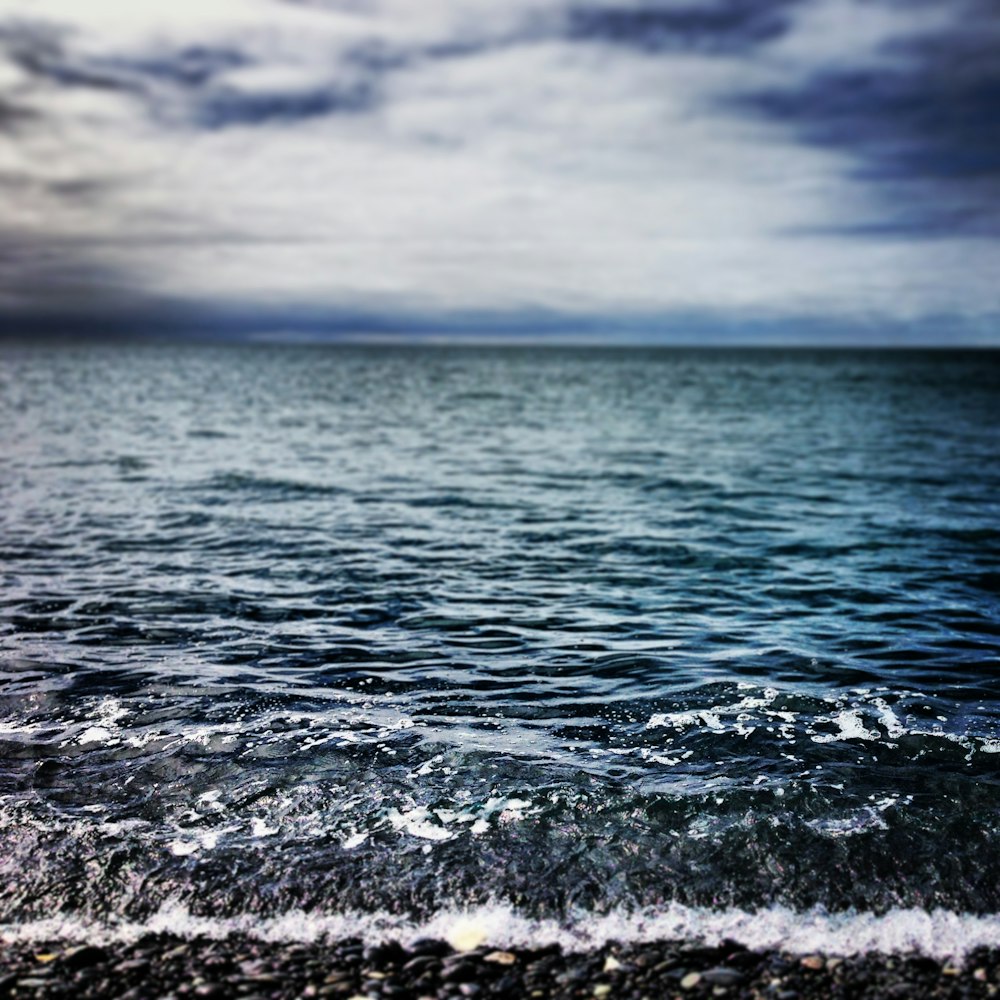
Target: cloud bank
{"x": 587, "y": 163}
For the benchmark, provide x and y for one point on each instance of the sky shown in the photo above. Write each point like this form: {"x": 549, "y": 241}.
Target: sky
{"x": 699, "y": 169}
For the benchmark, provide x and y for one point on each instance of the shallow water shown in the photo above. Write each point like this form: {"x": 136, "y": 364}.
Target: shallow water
{"x": 292, "y": 632}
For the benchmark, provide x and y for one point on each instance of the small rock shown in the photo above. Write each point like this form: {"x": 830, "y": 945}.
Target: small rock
{"x": 84, "y": 956}
{"x": 132, "y": 965}
{"x": 41, "y": 971}
{"x": 390, "y": 951}
{"x": 743, "y": 960}
{"x": 722, "y": 976}
{"x": 979, "y": 974}
{"x": 47, "y": 957}
{"x": 501, "y": 957}
{"x": 337, "y": 978}
{"x": 469, "y": 989}
{"x": 421, "y": 963}
{"x": 602, "y": 990}
{"x": 464, "y": 972}
{"x": 813, "y": 962}
{"x": 611, "y": 964}
{"x": 209, "y": 990}
{"x": 430, "y": 946}
{"x": 461, "y": 958}
{"x": 691, "y": 980}
{"x": 834, "y": 963}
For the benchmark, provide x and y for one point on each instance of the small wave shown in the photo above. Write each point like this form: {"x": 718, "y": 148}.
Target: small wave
{"x": 266, "y": 487}
{"x": 940, "y": 934}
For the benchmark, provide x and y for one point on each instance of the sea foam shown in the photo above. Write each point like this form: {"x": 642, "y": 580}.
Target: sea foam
{"x": 940, "y": 934}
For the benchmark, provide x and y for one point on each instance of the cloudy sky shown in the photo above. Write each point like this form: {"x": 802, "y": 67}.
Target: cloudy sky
{"x": 626, "y": 166}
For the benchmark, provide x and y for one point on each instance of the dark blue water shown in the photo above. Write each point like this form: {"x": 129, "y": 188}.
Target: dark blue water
{"x": 566, "y": 632}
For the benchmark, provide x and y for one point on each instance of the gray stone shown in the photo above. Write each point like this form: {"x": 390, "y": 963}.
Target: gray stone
{"x": 722, "y": 976}
{"x": 209, "y": 990}
{"x": 83, "y": 957}
{"x": 463, "y": 972}
{"x": 422, "y": 963}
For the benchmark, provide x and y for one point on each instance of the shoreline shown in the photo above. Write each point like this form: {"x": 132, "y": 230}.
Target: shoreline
{"x": 165, "y": 966}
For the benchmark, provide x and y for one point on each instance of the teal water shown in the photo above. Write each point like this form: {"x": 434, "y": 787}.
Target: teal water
{"x": 574, "y": 630}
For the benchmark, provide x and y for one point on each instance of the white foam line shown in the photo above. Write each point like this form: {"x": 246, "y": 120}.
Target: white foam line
{"x": 941, "y": 934}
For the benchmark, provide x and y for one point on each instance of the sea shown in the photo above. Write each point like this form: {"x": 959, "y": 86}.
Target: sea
{"x": 506, "y": 644}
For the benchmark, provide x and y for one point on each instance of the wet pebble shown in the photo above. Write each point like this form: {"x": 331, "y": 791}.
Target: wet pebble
{"x": 209, "y": 991}
{"x": 84, "y": 956}
{"x": 430, "y": 946}
{"x": 422, "y": 963}
{"x": 722, "y": 976}
{"x": 244, "y": 969}
{"x": 462, "y": 972}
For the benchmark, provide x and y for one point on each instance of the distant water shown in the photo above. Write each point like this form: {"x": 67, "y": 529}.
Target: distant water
{"x": 645, "y": 642}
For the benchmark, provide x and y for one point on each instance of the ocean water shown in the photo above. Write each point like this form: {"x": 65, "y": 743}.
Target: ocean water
{"x": 521, "y": 644}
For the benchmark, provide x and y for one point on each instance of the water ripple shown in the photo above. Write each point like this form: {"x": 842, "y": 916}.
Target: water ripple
{"x": 566, "y": 628}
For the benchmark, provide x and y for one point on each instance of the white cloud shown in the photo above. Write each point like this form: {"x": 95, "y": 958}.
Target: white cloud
{"x": 854, "y": 34}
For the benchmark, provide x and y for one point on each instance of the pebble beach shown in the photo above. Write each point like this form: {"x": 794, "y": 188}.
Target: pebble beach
{"x": 164, "y": 966}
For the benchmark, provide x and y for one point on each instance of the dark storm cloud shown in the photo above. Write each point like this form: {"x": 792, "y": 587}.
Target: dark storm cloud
{"x": 927, "y": 115}
{"x": 41, "y": 52}
{"x": 179, "y": 86}
{"x": 183, "y": 76}
{"x": 188, "y": 86}
{"x": 14, "y": 115}
{"x": 30, "y": 48}
{"x": 724, "y": 26}
{"x": 189, "y": 66}
{"x": 224, "y": 107}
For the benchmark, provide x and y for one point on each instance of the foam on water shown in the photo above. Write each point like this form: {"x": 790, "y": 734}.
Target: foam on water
{"x": 940, "y": 934}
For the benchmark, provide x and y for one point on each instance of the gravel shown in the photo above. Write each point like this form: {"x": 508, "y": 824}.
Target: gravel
{"x": 172, "y": 968}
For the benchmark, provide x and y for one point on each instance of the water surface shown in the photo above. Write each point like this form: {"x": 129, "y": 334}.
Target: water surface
{"x": 576, "y": 632}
